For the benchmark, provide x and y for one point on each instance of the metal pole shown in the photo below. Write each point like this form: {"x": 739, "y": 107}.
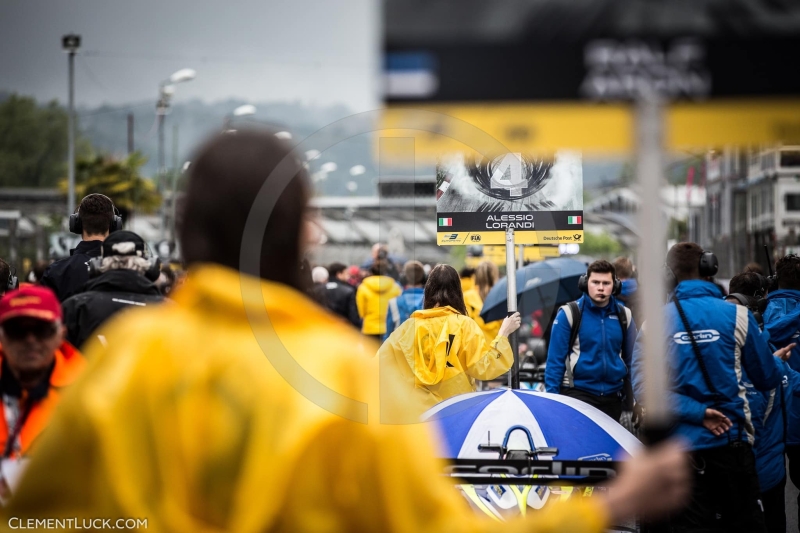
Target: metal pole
{"x": 173, "y": 197}
{"x": 130, "y": 133}
{"x": 652, "y": 249}
{"x": 521, "y": 261}
{"x": 161, "y": 170}
{"x": 71, "y": 137}
{"x": 132, "y": 191}
{"x": 511, "y": 277}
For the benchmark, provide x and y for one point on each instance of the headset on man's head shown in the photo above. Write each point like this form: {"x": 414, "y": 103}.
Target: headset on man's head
{"x": 708, "y": 267}
{"x": 76, "y": 225}
{"x": 583, "y": 285}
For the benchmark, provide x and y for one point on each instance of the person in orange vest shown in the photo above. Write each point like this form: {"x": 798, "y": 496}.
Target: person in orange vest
{"x": 35, "y": 364}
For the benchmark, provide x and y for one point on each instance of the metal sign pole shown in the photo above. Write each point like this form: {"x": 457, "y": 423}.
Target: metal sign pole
{"x": 511, "y": 277}
{"x": 652, "y": 248}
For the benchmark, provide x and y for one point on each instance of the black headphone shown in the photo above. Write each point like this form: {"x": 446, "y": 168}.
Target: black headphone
{"x": 753, "y": 303}
{"x": 583, "y": 285}
{"x": 12, "y": 282}
{"x": 76, "y": 226}
{"x": 708, "y": 267}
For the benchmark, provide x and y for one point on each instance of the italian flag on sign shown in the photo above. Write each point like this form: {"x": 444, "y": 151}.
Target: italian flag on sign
{"x": 445, "y": 221}
{"x": 574, "y": 220}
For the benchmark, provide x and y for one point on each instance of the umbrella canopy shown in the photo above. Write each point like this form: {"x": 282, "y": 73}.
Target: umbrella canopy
{"x": 545, "y": 285}
{"x": 578, "y": 430}
{"x": 525, "y": 420}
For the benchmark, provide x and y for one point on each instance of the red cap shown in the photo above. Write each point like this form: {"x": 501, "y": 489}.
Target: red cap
{"x": 35, "y": 302}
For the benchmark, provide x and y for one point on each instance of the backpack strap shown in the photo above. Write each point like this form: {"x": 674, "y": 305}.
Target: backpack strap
{"x": 574, "y": 319}
{"x": 395, "y": 311}
{"x": 624, "y": 314}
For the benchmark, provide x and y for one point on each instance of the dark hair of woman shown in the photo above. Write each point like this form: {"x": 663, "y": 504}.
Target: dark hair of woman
{"x": 215, "y": 213}
{"x": 444, "y": 288}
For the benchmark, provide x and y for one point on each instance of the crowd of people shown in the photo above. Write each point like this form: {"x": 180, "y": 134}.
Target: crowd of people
{"x": 270, "y": 395}
{"x": 729, "y": 354}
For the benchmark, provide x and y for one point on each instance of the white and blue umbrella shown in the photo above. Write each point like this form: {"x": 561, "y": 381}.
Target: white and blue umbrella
{"x": 526, "y": 420}
{"x": 578, "y": 430}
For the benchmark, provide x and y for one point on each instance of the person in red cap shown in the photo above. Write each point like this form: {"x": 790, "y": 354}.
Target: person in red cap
{"x": 35, "y": 364}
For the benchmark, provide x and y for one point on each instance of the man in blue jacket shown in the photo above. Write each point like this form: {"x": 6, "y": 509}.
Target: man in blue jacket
{"x": 713, "y": 349}
{"x": 401, "y": 307}
{"x": 782, "y": 322}
{"x": 769, "y": 413}
{"x": 594, "y": 368}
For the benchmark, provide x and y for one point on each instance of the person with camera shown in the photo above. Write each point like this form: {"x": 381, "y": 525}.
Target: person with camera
{"x": 122, "y": 277}
{"x": 782, "y": 322}
{"x": 591, "y": 343}
{"x": 716, "y": 355}
{"x": 95, "y": 218}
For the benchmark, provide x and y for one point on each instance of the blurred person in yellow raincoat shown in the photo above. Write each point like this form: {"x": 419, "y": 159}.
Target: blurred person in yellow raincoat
{"x": 372, "y": 299}
{"x": 245, "y": 407}
{"x": 441, "y": 350}
{"x": 486, "y": 275}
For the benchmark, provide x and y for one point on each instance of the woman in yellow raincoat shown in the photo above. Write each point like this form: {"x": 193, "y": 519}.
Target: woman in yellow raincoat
{"x": 486, "y": 275}
{"x": 440, "y": 350}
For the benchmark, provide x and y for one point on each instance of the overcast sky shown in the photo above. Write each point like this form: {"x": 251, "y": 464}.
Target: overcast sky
{"x": 317, "y": 51}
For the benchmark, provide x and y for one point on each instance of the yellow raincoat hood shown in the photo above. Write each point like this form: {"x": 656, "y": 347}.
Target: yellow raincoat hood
{"x": 379, "y": 284}
{"x": 372, "y": 300}
{"x": 443, "y": 352}
{"x": 426, "y": 350}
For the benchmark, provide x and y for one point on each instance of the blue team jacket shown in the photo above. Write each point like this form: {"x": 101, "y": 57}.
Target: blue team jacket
{"x": 769, "y": 410}
{"x": 599, "y": 361}
{"x": 782, "y": 322}
{"x": 732, "y": 347}
{"x": 410, "y": 300}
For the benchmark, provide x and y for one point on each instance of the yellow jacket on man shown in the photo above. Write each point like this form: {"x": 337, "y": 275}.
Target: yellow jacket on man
{"x": 442, "y": 352}
{"x": 474, "y": 303}
{"x": 246, "y": 408}
{"x": 372, "y": 299}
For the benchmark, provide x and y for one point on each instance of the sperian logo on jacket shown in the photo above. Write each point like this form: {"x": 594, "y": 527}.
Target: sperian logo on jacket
{"x": 703, "y": 335}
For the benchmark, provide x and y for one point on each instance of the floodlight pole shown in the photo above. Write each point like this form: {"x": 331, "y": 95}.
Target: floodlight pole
{"x": 649, "y": 120}
{"x": 71, "y": 43}
{"x": 511, "y": 277}
{"x": 162, "y": 107}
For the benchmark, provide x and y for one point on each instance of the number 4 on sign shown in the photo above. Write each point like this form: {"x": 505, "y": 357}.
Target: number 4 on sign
{"x": 508, "y": 175}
